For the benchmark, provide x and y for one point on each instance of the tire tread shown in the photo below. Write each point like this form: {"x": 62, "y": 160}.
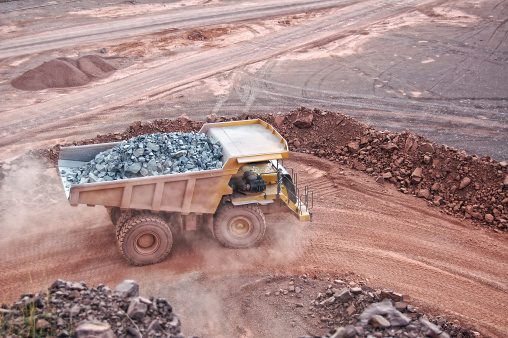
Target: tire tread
{"x": 132, "y": 222}
{"x": 221, "y": 216}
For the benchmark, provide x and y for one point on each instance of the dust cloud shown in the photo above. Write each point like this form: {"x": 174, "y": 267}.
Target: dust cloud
{"x": 37, "y": 228}
{"x": 284, "y": 242}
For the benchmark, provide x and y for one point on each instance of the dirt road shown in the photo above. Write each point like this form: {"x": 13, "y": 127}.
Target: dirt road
{"x": 389, "y": 239}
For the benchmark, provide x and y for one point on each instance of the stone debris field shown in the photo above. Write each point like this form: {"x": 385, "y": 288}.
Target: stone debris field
{"x": 72, "y": 309}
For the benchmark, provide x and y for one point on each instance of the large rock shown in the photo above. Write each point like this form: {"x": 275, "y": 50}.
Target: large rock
{"x": 384, "y": 308}
{"x": 42, "y": 325}
{"x": 94, "y": 329}
{"x": 211, "y": 118}
{"x": 389, "y": 147}
{"x": 343, "y": 295}
{"x": 278, "y": 121}
{"x": 137, "y": 309}
{"x": 432, "y": 330}
{"x": 127, "y": 288}
{"x": 304, "y": 121}
{"x": 464, "y": 183}
{"x": 417, "y": 175}
{"x": 425, "y": 193}
{"x": 340, "y": 332}
{"x": 379, "y": 322}
{"x": 426, "y": 148}
{"x": 398, "y": 319}
{"x": 389, "y": 294}
{"x": 354, "y": 146}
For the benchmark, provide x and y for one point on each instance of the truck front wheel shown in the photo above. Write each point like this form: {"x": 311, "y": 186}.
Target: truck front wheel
{"x": 239, "y": 227}
{"x": 145, "y": 239}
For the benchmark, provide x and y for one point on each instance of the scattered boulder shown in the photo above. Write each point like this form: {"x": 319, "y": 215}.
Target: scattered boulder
{"x": 389, "y": 147}
{"x": 417, "y": 175}
{"x": 464, "y": 183}
{"x": 94, "y": 328}
{"x": 425, "y": 193}
{"x": 137, "y": 309}
{"x": 343, "y": 296}
{"x": 211, "y": 118}
{"x": 359, "y": 166}
{"x": 378, "y": 321}
{"x": 427, "y": 148}
{"x": 278, "y": 121}
{"x": 354, "y": 146}
{"x": 127, "y": 288}
{"x": 304, "y": 121}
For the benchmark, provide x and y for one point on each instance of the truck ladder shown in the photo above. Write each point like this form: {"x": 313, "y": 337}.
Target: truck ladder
{"x": 301, "y": 203}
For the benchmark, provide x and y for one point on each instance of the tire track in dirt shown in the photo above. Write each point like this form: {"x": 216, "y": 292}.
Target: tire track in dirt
{"x": 92, "y": 102}
{"x": 182, "y": 18}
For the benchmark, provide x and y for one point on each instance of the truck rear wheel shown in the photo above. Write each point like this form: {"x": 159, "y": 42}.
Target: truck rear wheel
{"x": 145, "y": 239}
{"x": 239, "y": 227}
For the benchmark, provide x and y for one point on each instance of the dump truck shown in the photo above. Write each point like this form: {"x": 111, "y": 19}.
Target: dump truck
{"x": 230, "y": 201}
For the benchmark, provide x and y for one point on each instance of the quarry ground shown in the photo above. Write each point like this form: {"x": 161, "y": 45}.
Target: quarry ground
{"x": 438, "y": 68}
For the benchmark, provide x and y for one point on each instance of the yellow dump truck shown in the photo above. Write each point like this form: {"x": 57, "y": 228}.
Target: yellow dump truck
{"x": 231, "y": 201}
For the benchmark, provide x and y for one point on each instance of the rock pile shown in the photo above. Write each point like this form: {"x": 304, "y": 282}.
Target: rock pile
{"x": 70, "y": 309}
{"x": 64, "y": 73}
{"x": 361, "y": 311}
{"x": 463, "y": 185}
{"x": 150, "y": 155}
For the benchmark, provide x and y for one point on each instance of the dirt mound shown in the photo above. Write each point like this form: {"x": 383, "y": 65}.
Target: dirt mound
{"x": 95, "y": 67}
{"x": 463, "y": 185}
{"x": 51, "y": 74}
{"x": 64, "y": 73}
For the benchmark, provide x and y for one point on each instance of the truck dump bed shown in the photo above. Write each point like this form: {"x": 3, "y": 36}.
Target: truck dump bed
{"x": 197, "y": 192}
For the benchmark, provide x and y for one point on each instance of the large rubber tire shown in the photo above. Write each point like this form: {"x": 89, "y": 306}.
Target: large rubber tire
{"x": 239, "y": 227}
{"x": 124, "y": 218}
{"x": 114, "y": 215}
{"x": 145, "y": 239}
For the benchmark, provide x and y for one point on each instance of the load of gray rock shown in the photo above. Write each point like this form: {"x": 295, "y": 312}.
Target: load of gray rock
{"x": 150, "y": 155}
{"x": 74, "y": 310}
{"x": 365, "y": 312}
